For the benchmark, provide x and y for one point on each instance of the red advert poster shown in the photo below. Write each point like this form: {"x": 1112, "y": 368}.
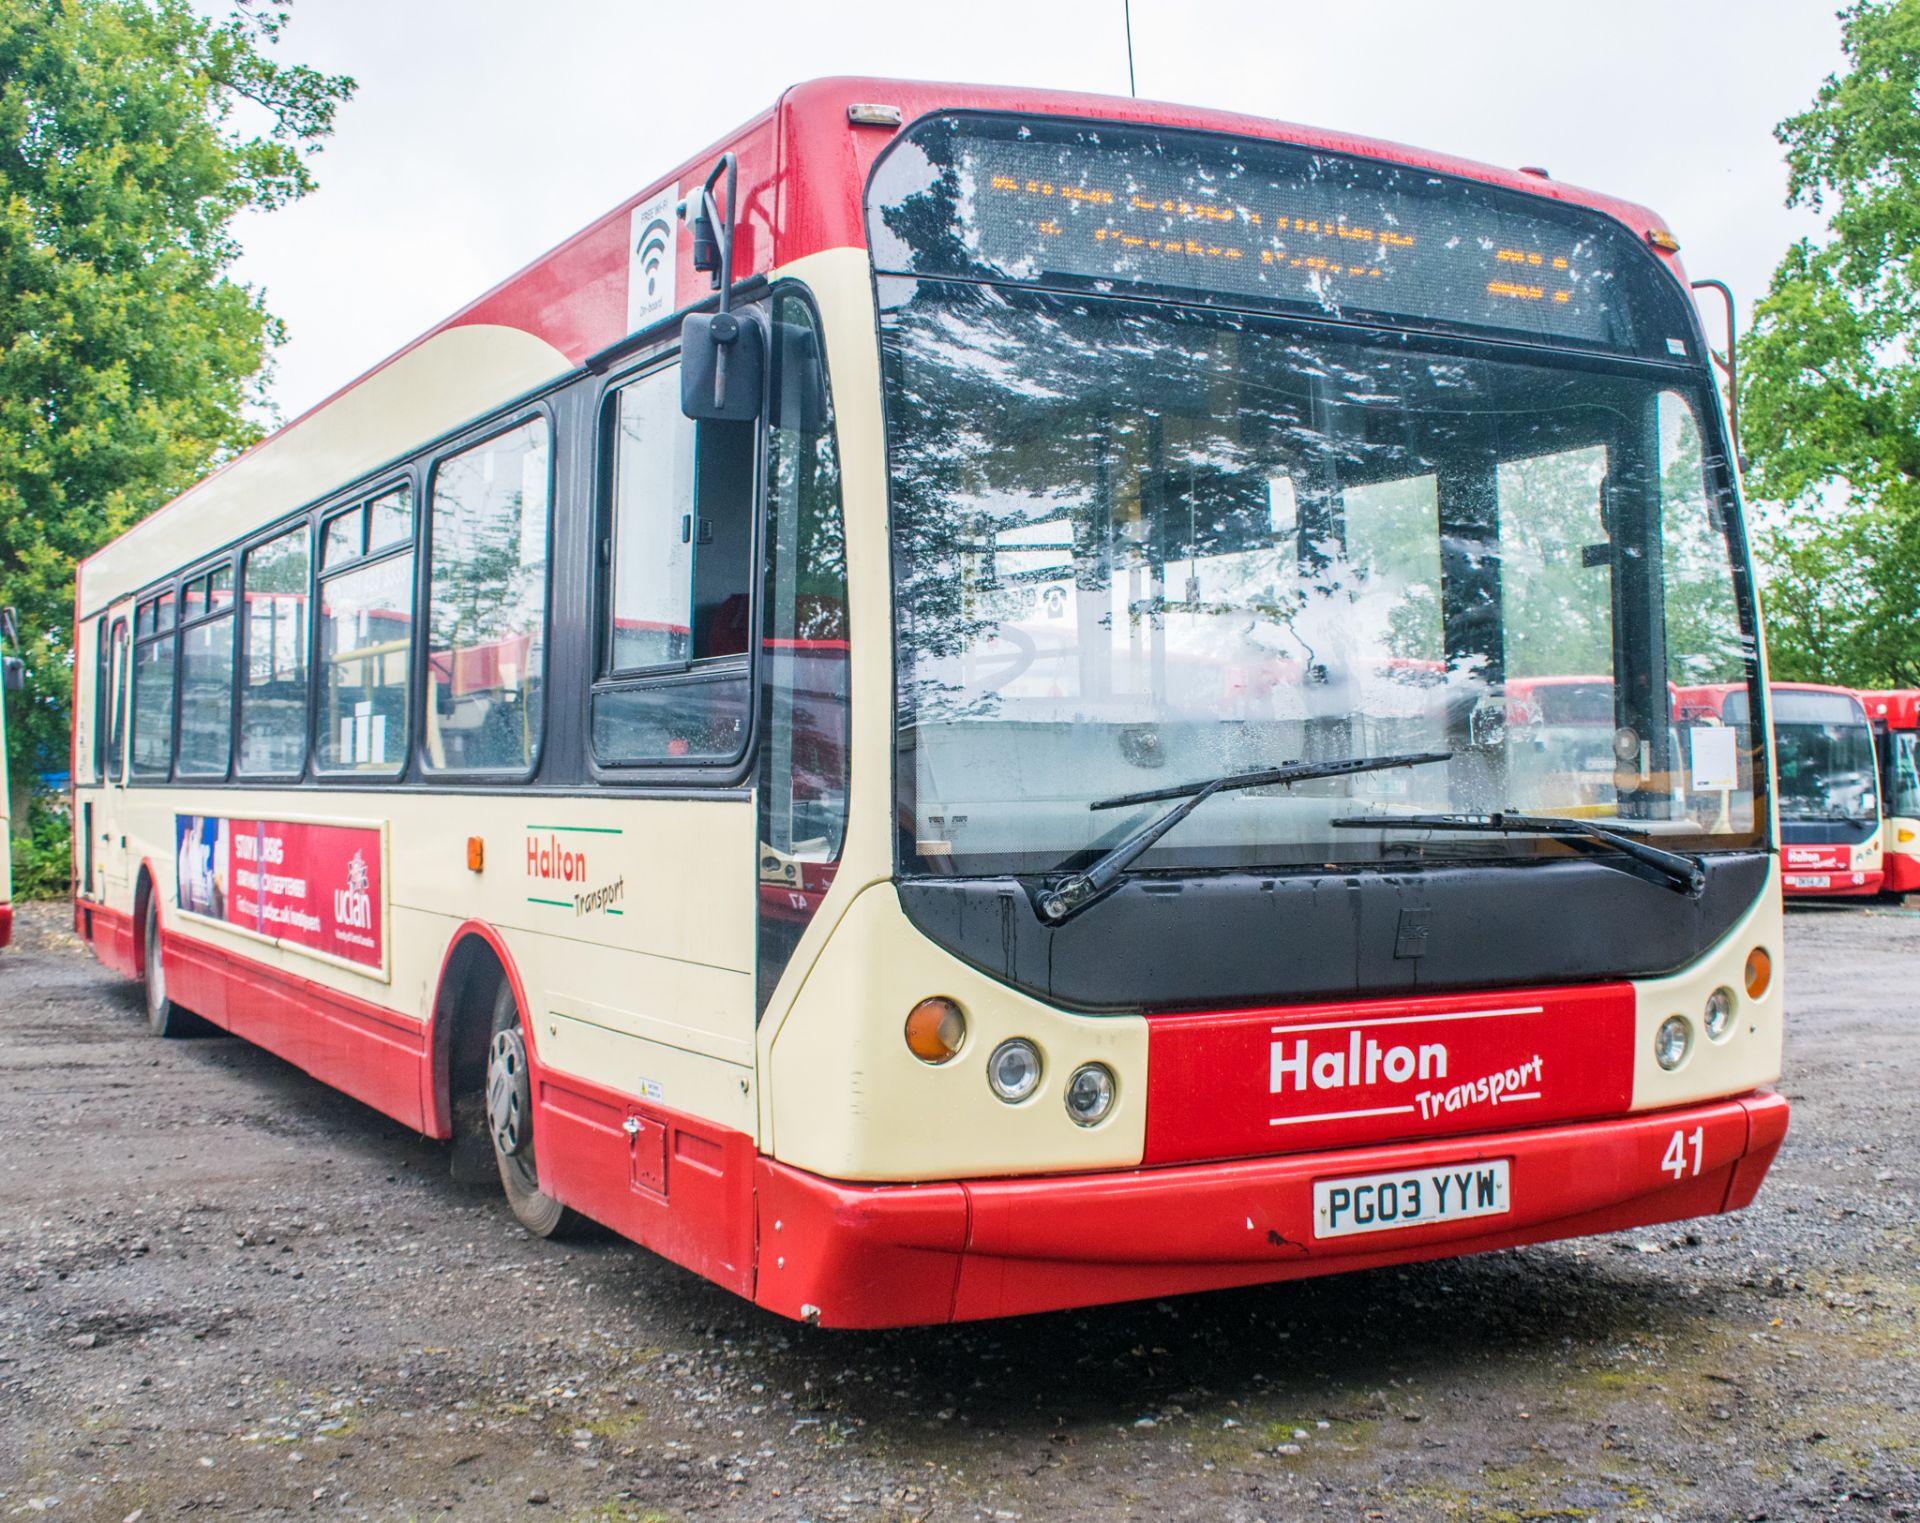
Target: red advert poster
{"x": 312, "y": 886}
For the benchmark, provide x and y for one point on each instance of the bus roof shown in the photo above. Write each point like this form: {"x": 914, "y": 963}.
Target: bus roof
{"x": 543, "y": 322}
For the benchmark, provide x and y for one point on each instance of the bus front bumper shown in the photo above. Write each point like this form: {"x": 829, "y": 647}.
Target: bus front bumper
{"x": 854, "y": 1255}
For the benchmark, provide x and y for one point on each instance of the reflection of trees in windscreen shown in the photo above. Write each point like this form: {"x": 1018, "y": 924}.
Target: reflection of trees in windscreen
{"x": 1557, "y": 600}
{"x": 1704, "y": 641}
{"x": 1169, "y": 466}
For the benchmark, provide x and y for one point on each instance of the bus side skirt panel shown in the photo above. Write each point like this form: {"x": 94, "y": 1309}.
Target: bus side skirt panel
{"x": 673, "y": 1183}
{"x": 358, "y": 1048}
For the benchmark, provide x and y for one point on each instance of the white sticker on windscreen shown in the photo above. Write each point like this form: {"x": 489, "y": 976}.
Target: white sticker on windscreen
{"x": 651, "y": 262}
{"x": 1677, "y": 346}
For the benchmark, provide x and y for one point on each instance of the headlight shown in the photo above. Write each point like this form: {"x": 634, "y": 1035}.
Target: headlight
{"x": 1014, "y": 1070}
{"x": 1090, "y": 1093}
{"x": 1718, "y": 1018}
{"x": 1671, "y": 1041}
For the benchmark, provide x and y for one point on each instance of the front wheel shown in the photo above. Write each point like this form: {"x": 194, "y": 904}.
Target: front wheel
{"x": 510, "y": 1123}
{"x": 164, "y": 1017}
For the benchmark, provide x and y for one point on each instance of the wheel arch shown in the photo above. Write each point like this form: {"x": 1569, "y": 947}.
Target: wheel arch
{"x": 145, "y": 886}
{"x": 476, "y": 955}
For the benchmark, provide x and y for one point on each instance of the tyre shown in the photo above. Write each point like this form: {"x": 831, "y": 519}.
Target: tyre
{"x": 163, "y": 1015}
{"x": 510, "y": 1125}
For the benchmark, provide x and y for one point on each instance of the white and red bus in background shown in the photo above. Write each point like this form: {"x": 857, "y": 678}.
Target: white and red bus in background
{"x": 1829, "y": 789}
{"x": 1055, "y": 699}
{"x": 1895, "y": 716}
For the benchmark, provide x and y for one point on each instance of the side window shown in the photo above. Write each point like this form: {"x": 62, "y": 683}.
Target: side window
{"x": 1905, "y": 798}
{"x": 366, "y": 644}
{"x": 206, "y": 676}
{"x": 273, "y": 681}
{"x": 117, "y": 699}
{"x": 679, "y": 526}
{"x": 153, "y": 660}
{"x": 102, "y": 700}
{"x": 486, "y": 624}
{"x": 804, "y": 650}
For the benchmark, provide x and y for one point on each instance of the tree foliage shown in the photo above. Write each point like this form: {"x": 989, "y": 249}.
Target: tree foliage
{"x": 1831, "y": 383}
{"x": 132, "y": 134}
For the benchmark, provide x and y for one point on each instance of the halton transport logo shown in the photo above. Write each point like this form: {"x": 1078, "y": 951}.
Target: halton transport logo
{"x": 1344, "y": 1070}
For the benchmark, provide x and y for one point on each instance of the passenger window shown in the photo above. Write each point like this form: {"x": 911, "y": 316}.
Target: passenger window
{"x": 487, "y": 620}
{"x": 680, "y": 530}
{"x": 206, "y": 685}
{"x": 117, "y": 690}
{"x": 273, "y": 684}
{"x": 153, "y": 696}
{"x": 651, "y": 621}
{"x": 1906, "y": 775}
{"x": 366, "y": 642}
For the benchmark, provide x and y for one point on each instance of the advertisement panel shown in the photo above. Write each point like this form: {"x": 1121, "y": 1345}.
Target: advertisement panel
{"x": 318, "y": 887}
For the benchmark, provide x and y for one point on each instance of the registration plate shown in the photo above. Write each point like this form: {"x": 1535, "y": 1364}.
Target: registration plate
{"x": 1451, "y": 1192}
{"x": 1809, "y": 880}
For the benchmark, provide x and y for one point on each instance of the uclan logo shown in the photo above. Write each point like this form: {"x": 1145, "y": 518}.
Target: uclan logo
{"x": 1361, "y": 1063}
{"x": 353, "y": 905}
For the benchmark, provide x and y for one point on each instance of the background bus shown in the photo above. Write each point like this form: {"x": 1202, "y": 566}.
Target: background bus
{"x": 1895, "y": 715}
{"x": 999, "y": 793}
{"x": 1829, "y": 789}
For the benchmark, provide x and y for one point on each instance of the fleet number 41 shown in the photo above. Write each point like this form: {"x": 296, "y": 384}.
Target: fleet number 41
{"x": 1675, "y": 1163}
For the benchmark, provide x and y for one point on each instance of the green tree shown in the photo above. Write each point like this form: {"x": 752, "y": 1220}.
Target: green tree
{"x": 132, "y": 134}
{"x": 1831, "y": 383}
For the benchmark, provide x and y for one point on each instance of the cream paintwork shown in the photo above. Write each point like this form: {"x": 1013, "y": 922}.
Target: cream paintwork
{"x": 1749, "y": 1055}
{"x": 653, "y": 1072}
{"x": 452, "y": 377}
{"x": 850, "y": 1101}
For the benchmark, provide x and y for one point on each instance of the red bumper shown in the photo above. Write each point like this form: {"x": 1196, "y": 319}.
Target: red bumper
{"x": 1903, "y": 874}
{"x": 1841, "y": 885}
{"x": 894, "y": 1255}
{"x": 6, "y": 924}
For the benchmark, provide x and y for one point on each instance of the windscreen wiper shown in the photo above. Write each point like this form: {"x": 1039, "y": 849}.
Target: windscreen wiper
{"x": 1060, "y": 900}
{"x": 1682, "y": 874}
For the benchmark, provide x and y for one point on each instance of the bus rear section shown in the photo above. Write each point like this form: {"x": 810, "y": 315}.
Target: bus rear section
{"x": 1895, "y": 715}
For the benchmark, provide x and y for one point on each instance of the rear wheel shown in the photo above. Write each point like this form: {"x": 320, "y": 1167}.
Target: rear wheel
{"x": 163, "y": 1015}
{"x": 510, "y": 1124}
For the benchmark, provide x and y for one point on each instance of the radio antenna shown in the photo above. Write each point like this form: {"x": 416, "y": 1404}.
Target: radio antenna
{"x": 1126, "y": 10}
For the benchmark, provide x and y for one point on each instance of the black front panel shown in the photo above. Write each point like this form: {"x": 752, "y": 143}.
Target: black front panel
{"x": 1232, "y": 940}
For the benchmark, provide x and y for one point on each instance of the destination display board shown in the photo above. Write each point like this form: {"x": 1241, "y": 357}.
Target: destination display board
{"x": 1056, "y": 202}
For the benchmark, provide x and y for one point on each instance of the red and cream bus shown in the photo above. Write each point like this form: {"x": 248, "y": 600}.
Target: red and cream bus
{"x": 934, "y": 738}
{"x": 1895, "y": 716}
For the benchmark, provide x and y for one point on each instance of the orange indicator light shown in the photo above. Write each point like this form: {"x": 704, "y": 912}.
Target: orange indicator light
{"x": 476, "y": 853}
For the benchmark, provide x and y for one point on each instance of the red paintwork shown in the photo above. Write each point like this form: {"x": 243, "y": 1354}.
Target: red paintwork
{"x": 890, "y": 1255}
{"x": 360, "y": 1048}
{"x": 1903, "y": 873}
{"x": 6, "y": 925}
{"x": 803, "y": 171}
{"x": 1211, "y": 1078}
{"x": 1896, "y": 708}
{"x": 893, "y": 1255}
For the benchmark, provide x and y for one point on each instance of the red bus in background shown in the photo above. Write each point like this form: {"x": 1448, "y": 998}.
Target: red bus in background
{"x": 1895, "y": 716}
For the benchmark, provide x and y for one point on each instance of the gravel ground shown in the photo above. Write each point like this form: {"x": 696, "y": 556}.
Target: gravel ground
{"x": 226, "y": 1290}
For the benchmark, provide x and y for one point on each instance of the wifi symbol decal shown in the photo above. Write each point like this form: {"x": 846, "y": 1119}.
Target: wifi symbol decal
{"x": 655, "y": 243}
{"x": 651, "y": 265}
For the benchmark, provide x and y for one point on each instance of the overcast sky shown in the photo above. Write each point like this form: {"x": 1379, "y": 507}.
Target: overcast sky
{"x": 485, "y": 131}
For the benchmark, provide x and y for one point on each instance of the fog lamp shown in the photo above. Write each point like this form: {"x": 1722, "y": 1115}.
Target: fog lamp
{"x": 1090, "y": 1093}
{"x": 1671, "y": 1041}
{"x": 1718, "y": 1018}
{"x": 935, "y": 1029}
{"x": 1759, "y": 972}
{"x": 1014, "y": 1070}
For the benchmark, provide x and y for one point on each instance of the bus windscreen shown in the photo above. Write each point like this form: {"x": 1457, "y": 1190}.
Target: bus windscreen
{"x": 1228, "y": 220}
